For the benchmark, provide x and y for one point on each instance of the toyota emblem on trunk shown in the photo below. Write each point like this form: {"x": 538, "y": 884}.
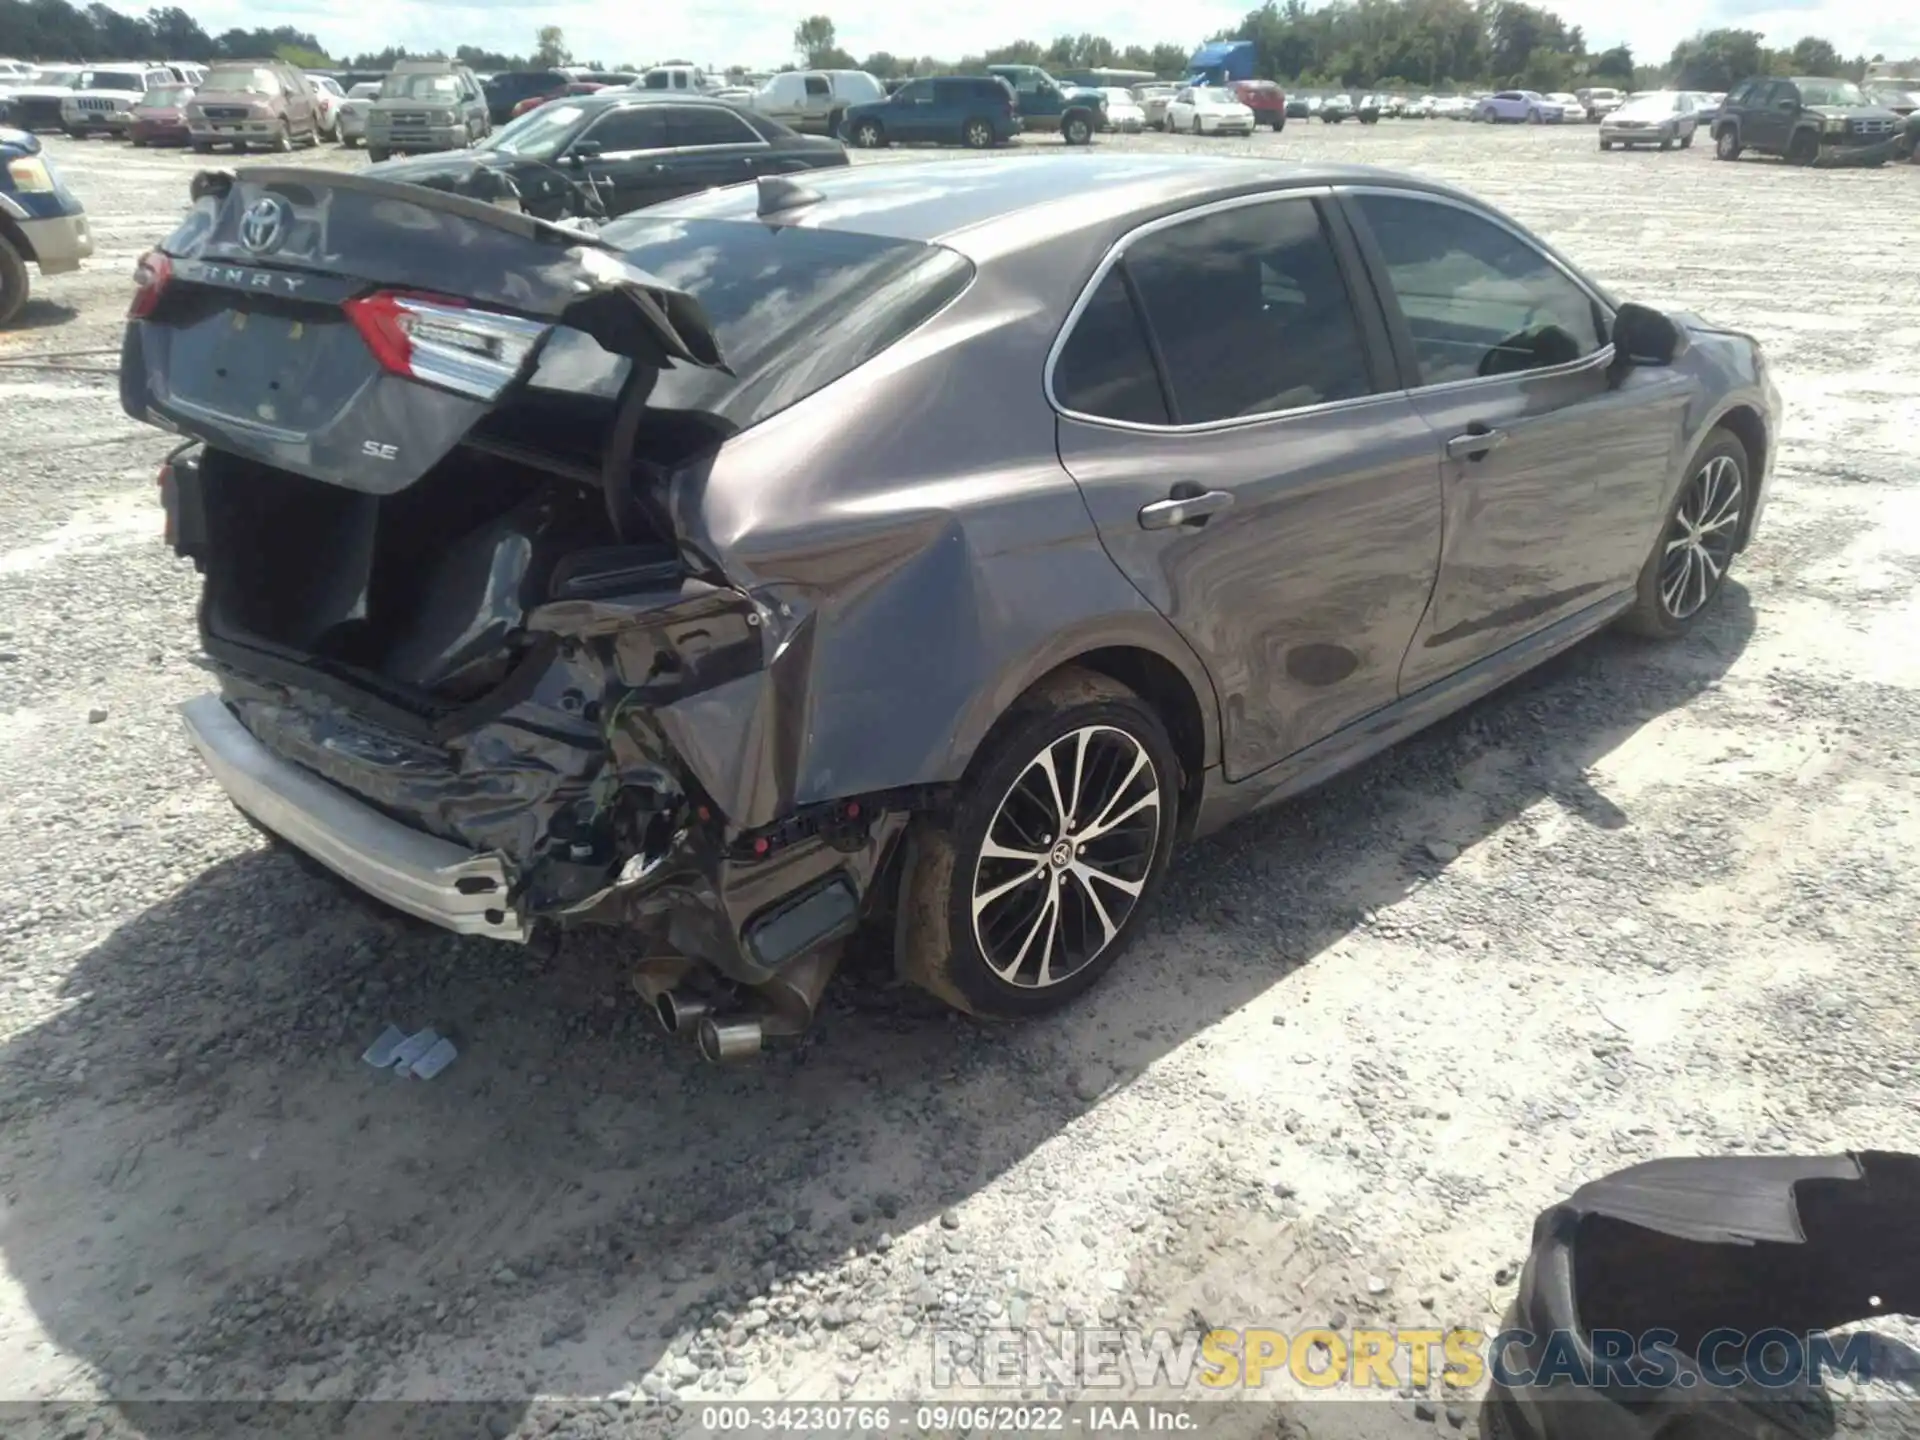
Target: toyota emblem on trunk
{"x": 265, "y": 222}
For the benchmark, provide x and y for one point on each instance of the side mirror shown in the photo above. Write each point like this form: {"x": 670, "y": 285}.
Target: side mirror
{"x": 1787, "y": 105}
{"x": 582, "y": 151}
{"x": 1643, "y": 336}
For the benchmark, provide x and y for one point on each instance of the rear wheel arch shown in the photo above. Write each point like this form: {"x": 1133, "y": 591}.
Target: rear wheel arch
{"x": 1170, "y": 690}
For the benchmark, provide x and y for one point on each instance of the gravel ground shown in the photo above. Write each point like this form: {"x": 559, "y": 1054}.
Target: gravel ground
{"x": 1649, "y": 901}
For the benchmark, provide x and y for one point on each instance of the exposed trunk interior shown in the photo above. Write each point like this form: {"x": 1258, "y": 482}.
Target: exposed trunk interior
{"x": 424, "y": 593}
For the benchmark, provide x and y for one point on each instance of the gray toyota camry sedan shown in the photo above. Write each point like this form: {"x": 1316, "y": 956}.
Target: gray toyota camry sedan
{"x": 923, "y": 547}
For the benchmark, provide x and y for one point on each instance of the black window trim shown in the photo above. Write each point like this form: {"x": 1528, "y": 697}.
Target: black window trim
{"x": 758, "y": 140}
{"x": 1402, "y": 333}
{"x": 1360, "y": 295}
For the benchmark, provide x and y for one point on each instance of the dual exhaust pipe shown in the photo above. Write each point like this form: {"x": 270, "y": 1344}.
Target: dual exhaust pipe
{"x": 788, "y": 1003}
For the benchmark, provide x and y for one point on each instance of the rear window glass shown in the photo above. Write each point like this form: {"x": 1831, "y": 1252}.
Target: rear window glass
{"x": 793, "y": 309}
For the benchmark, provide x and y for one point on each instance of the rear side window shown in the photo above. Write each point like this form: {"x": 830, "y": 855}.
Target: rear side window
{"x": 817, "y": 85}
{"x": 794, "y": 309}
{"x": 1106, "y": 369}
{"x": 1251, "y": 312}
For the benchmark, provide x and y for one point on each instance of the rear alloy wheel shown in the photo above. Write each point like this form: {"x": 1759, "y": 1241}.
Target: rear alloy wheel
{"x": 283, "y": 138}
{"x": 1726, "y": 145}
{"x": 867, "y": 135}
{"x": 1058, "y": 838}
{"x": 1078, "y": 130}
{"x": 1803, "y": 148}
{"x": 978, "y": 135}
{"x": 1689, "y": 563}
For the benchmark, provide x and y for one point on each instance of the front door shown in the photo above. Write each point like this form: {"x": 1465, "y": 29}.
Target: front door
{"x": 910, "y": 115}
{"x": 1228, "y": 412}
{"x": 1554, "y": 468}
{"x": 1770, "y": 123}
{"x": 621, "y": 155}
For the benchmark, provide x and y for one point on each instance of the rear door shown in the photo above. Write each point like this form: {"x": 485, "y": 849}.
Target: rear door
{"x": 1228, "y": 409}
{"x": 713, "y": 145}
{"x": 1555, "y": 464}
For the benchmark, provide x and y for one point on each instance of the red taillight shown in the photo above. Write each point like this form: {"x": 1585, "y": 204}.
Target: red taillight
{"x": 445, "y": 342}
{"x": 150, "y": 279}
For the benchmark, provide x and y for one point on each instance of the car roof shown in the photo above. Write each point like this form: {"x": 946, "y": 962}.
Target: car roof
{"x": 938, "y": 201}
{"x": 618, "y": 95}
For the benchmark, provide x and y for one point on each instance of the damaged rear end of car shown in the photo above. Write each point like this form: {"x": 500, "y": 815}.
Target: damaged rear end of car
{"x": 467, "y": 659}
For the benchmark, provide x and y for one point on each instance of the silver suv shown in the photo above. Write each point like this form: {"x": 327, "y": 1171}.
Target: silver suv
{"x": 426, "y": 105}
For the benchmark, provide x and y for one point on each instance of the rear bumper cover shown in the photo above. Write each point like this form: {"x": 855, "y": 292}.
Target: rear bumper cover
{"x": 458, "y": 889}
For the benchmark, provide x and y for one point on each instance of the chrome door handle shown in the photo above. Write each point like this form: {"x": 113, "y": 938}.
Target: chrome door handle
{"x": 1475, "y": 443}
{"x": 1184, "y": 509}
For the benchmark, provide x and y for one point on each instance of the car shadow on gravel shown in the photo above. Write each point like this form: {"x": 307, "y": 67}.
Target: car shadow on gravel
{"x": 35, "y": 315}
{"x": 207, "y": 1193}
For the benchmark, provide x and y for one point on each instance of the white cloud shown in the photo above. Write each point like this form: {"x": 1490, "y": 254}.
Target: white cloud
{"x": 759, "y": 32}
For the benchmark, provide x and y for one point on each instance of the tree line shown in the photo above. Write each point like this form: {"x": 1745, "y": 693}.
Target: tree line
{"x": 1372, "y": 44}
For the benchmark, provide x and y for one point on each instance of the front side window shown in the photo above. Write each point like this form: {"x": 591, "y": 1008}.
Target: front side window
{"x": 638, "y": 127}
{"x": 817, "y": 85}
{"x": 1250, "y": 311}
{"x": 919, "y": 92}
{"x": 1477, "y": 298}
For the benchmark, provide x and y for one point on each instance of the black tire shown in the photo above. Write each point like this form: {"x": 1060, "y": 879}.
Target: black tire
{"x": 203, "y": 147}
{"x": 15, "y": 283}
{"x": 1654, "y": 614}
{"x": 1606, "y": 144}
{"x": 937, "y": 939}
{"x": 1279, "y": 123}
{"x": 136, "y": 142}
{"x": 1686, "y": 140}
{"x": 351, "y": 142}
{"x": 376, "y": 153}
{"x": 1076, "y": 129}
{"x": 869, "y": 136}
{"x": 1803, "y": 148}
{"x": 1666, "y": 142}
{"x": 835, "y": 119}
{"x": 1726, "y": 143}
{"x": 282, "y": 138}
{"x": 977, "y": 134}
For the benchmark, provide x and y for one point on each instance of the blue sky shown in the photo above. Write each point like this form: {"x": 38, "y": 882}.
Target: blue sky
{"x": 757, "y": 32}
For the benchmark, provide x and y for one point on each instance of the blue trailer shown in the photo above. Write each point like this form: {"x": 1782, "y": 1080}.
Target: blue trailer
{"x": 1220, "y": 61}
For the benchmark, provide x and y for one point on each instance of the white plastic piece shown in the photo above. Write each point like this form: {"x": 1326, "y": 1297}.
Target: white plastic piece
{"x": 412, "y": 1049}
{"x": 380, "y": 1053}
{"x": 435, "y": 1060}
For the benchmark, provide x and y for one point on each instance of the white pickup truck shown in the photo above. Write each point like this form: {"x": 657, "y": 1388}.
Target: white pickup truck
{"x": 812, "y": 101}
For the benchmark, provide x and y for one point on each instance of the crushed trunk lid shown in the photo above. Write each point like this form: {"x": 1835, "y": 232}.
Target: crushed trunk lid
{"x": 353, "y": 330}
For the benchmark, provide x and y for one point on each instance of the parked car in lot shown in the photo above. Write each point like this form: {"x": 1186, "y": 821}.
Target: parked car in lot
{"x": 426, "y": 105}
{"x": 1809, "y": 120}
{"x": 328, "y": 97}
{"x": 1516, "y": 107}
{"x": 596, "y": 579}
{"x": 507, "y": 89}
{"x": 1368, "y": 109}
{"x": 1154, "y": 100}
{"x": 679, "y": 76}
{"x": 1123, "y": 112}
{"x": 815, "y": 102}
{"x": 42, "y": 223}
{"x": 1599, "y": 102}
{"x": 354, "y": 111}
{"x": 1074, "y": 112}
{"x": 1662, "y": 117}
{"x": 604, "y": 154}
{"x": 1334, "y": 109}
{"x": 103, "y": 97}
{"x": 246, "y": 103}
{"x": 1209, "y": 110}
{"x": 1706, "y": 106}
{"x": 572, "y": 87}
{"x": 160, "y": 116}
{"x": 977, "y": 111}
{"x": 1568, "y": 107}
{"x": 1299, "y": 107}
{"x": 1266, "y": 100}
{"x": 35, "y": 105}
